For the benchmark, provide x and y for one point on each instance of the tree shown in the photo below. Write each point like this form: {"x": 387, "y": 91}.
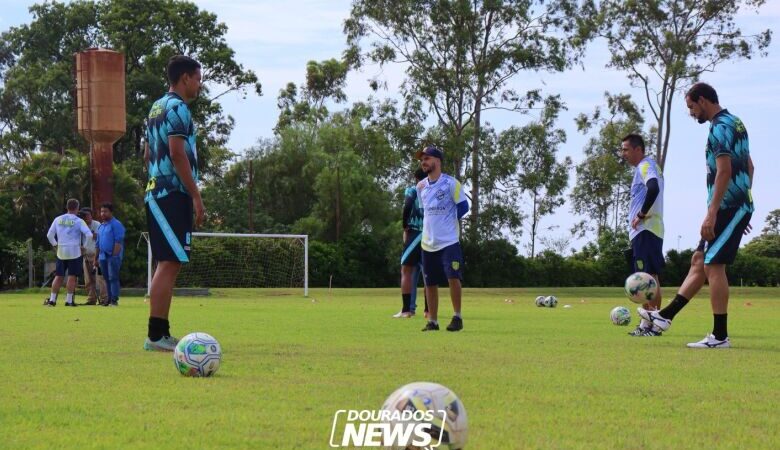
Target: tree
{"x": 666, "y": 45}
{"x": 36, "y": 67}
{"x": 459, "y": 56}
{"x": 537, "y": 172}
{"x": 772, "y": 223}
{"x": 324, "y": 81}
{"x": 603, "y": 179}
{"x": 768, "y": 243}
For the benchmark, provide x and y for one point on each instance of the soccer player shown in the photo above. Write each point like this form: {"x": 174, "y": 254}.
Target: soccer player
{"x": 411, "y": 258}
{"x": 172, "y": 193}
{"x": 729, "y": 208}
{"x": 646, "y": 223}
{"x": 111, "y": 251}
{"x": 93, "y": 281}
{"x": 443, "y": 206}
{"x": 65, "y": 234}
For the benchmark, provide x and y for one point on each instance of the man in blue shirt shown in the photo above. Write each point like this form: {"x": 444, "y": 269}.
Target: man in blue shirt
{"x": 172, "y": 194}
{"x": 111, "y": 250}
{"x": 729, "y": 209}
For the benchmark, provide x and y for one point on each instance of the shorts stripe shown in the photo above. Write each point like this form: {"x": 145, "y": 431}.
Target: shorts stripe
{"x": 411, "y": 247}
{"x": 167, "y": 231}
{"x": 724, "y": 237}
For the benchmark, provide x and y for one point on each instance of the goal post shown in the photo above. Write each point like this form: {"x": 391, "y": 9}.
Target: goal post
{"x": 242, "y": 260}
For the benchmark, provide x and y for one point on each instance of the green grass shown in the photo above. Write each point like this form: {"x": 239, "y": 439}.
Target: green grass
{"x": 529, "y": 377}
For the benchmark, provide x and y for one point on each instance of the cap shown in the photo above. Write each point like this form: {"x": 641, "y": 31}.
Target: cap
{"x": 430, "y": 151}
{"x": 85, "y": 210}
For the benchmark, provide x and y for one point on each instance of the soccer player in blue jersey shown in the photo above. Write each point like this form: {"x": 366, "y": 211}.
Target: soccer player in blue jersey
{"x": 171, "y": 193}
{"x": 729, "y": 208}
{"x": 411, "y": 258}
{"x": 443, "y": 206}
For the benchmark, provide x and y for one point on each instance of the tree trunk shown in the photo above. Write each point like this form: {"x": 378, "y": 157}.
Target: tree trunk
{"x": 338, "y": 203}
{"x": 534, "y": 224}
{"x": 474, "y": 229}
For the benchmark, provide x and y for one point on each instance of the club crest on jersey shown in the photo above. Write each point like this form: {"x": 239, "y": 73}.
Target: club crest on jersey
{"x": 440, "y": 194}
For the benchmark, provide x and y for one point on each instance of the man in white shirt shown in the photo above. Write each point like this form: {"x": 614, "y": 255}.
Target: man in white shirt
{"x": 444, "y": 205}
{"x": 91, "y": 275}
{"x": 65, "y": 234}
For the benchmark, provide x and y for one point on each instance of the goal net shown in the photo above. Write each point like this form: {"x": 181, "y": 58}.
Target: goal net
{"x": 233, "y": 260}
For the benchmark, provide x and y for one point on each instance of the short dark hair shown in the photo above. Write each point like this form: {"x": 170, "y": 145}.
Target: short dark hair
{"x": 419, "y": 174}
{"x": 179, "y": 65}
{"x": 702, "y": 90}
{"x": 108, "y": 205}
{"x": 72, "y": 204}
{"x": 635, "y": 140}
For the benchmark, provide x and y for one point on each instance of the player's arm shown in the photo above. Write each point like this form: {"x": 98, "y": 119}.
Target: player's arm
{"x": 460, "y": 200}
{"x": 750, "y": 169}
{"x": 119, "y": 238}
{"x": 146, "y": 156}
{"x": 51, "y": 234}
{"x": 721, "y": 184}
{"x": 408, "y": 208}
{"x": 182, "y": 166}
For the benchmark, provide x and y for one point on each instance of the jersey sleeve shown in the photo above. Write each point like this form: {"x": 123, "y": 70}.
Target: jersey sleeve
{"x": 85, "y": 231}
{"x": 722, "y": 140}
{"x": 457, "y": 193}
{"x": 119, "y": 232}
{"x": 648, "y": 171}
{"x": 178, "y": 120}
{"x": 52, "y": 233}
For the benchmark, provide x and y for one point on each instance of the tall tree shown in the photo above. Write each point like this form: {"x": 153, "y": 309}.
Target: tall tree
{"x": 603, "y": 179}
{"x": 537, "y": 174}
{"x": 36, "y": 68}
{"x": 665, "y": 45}
{"x": 460, "y": 55}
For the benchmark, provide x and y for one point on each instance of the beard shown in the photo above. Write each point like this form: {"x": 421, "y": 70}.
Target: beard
{"x": 701, "y": 120}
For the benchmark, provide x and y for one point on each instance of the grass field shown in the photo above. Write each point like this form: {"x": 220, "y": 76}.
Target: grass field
{"x": 562, "y": 378}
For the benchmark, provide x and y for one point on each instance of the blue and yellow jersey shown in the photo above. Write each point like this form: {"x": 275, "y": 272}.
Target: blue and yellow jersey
{"x": 728, "y": 136}
{"x": 415, "y": 220}
{"x": 168, "y": 117}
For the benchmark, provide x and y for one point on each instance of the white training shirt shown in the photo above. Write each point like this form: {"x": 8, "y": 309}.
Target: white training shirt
{"x": 646, "y": 170}
{"x": 440, "y": 218}
{"x": 68, "y": 229}
{"x": 89, "y": 242}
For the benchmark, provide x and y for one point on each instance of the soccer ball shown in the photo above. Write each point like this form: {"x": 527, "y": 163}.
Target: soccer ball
{"x": 620, "y": 316}
{"x": 540, "y": 301}
{"x": 197, "y": 355}
{"x": 641, "y": 287}
{"x": 424, "y": 396}
{"x": 551, "y": 301}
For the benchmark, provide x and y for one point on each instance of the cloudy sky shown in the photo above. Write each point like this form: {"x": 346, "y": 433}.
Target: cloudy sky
{"x": 276, "y": 39}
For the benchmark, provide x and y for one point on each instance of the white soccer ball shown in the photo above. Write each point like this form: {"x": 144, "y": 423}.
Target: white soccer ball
{"x": 620, "y": 315}
{"x": 197, "y": 355}
{"x": 540, "y": 301}
{"x": 551, "y": 301}
{"x": 641, "y": 287}
{"x": 425, "y": 396}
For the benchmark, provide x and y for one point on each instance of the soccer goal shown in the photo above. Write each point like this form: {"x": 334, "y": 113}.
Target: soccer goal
{"x": 236, "y": 260}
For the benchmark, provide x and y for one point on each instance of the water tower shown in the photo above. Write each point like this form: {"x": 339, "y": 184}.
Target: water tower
{"x": 100, "y": 114}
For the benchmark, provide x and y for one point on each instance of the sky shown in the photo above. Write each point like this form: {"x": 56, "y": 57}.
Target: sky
{"x": 276, "y": 40}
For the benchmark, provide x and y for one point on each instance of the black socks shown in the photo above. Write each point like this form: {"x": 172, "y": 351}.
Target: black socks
{"x": 674, "y": 307}
{"x": 407, "y": 298}
{"x": 719, "y": 326}
{"x": 158, "y": 328}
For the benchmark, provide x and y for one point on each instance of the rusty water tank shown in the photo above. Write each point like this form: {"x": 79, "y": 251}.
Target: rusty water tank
{"x": 100, "y": 113}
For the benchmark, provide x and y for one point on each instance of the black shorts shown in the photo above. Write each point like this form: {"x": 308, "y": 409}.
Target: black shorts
{"x": 729, "y": 226}
{"x": 170, "y": 227}
{"x": 73, "y": 267}
{"x": 412, "y": 255}
{"x": 648, "y": 253}
{"x": 441, "y": 266}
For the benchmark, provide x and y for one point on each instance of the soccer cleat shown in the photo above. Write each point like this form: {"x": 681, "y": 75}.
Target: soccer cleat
{"x": 402, "y": 315}
{"x": 655, "y": 318}
{"x": 431, "y": 326}
{"x": 166, "y": 344}
{"x": 650, "y": 332}
{"x": 113, "y": 304}
{"x": 456, "y": 324}
{"x": 709, "y": 341}
{"x": 70, "y": 304}
{"x": 638, "y": 331}
{"x": 50, "y": 303}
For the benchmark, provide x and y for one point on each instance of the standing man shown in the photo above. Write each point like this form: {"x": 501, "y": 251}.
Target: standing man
{"x": 646, "y": 222}
{"x": 729, "y": 208}
{"x": 91, "y": 276}
{"x": 111, "y": 248}
{"x": 443, "y": 206}
{"x": 172, "y": 193}
{"x": 65, "y": 234}
{"x": 411, "y": 258}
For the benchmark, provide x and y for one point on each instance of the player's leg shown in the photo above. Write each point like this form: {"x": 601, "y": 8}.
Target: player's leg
{"x": 56, "y": 284}
{"x": 413, "y": 292}
{"x": 89, "y": 280}
{"x": 690, "y": 287}
{"x": 103, "y": 263}
{"x": 649, "y": 258}
{"x": 406, "y": 291}
{"x": 74, "y": 267}
{"x": 170, "y": 225}
{"x": 114, "y": 265}
{"x": 433, "y": 275}
{"x": 729, "y": 228}
{"x": 452, "y": 265}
